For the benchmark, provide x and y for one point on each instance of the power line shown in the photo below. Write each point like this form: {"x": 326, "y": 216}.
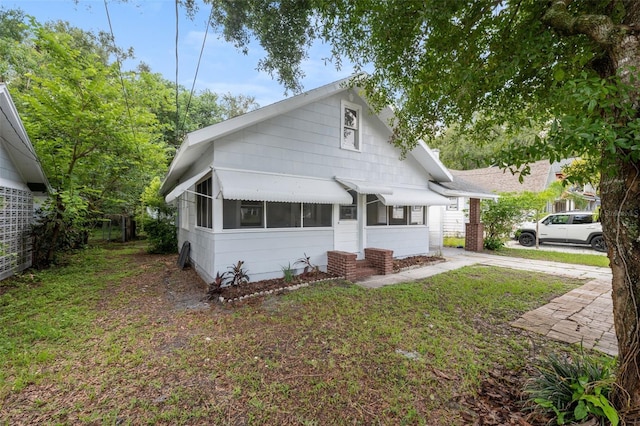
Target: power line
{"x": 177, "y": 103}
{"x": 124, "y": 90}
{"x": 195, "y": 77}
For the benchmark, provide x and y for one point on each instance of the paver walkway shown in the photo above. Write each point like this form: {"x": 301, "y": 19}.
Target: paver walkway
{"x": 585, "y": 314}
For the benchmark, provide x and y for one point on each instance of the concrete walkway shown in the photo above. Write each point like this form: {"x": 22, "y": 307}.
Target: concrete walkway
{"x": 585, "y": 314}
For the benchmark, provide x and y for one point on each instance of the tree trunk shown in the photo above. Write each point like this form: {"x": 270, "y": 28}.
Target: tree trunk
{"x": 620, "y": 216}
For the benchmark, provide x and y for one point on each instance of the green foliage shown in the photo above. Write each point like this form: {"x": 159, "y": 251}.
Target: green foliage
{"x": 499, "y": 218}
{"x": 287, "y": 273}
{"x": 158, "y": 220}
{"x": 573, "y": 389}
{"x": 238, "y": 274}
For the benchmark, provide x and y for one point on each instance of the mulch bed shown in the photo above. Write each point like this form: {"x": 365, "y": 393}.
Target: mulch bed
{"x": 231, "y": 293}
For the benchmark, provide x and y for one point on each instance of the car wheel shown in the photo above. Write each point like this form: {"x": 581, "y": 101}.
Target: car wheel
{"x": 527, "y": 239}
{"x": 598, "y": 243}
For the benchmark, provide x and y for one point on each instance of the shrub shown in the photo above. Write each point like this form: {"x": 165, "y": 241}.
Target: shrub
{"x": 573, "y": 389}
{"x": 238, "y": 275}
{"x": 162, "y": 235}
{"x": 287, "y": 273}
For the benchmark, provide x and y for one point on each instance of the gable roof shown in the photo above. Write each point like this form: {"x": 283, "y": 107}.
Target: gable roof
{"x": 14, "y": 138}
{"x": 498, "y": 180}
{"x": 196, "y": 143}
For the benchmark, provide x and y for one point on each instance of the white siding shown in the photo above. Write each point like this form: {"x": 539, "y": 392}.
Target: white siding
{"x": 8, "y": 170}
{"x": 307, "y": 142}
{"x": 302, "y": 142}
{"x": 265, "y": 253}
{"x": 403, "y": 240}
{"x": 454, "y": 220}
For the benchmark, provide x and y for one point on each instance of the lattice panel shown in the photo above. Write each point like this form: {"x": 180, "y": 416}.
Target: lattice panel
{"x": 16, "y": 214}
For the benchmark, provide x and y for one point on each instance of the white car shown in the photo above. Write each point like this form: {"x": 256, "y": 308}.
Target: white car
{"x": 567, "y": 227}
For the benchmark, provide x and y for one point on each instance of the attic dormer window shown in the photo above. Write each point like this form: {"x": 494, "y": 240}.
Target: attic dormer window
{"x": 350, "y": 126}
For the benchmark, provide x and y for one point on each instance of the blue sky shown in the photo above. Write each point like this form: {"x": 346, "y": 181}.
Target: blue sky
{"x": 149, "y": 27}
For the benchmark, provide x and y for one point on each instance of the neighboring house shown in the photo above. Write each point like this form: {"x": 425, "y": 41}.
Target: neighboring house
{"x": 309, "y": 175}
{"x": 497, "y": 180}
{"x": 21, "y": 179}
{"x": 455, "y": 215}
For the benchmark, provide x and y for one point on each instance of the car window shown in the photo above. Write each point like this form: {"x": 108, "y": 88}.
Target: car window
{"x": 559, "y": 219}
{"x": 582, "y": 218}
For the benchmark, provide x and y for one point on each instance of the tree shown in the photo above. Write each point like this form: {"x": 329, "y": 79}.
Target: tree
{"x": 569, "y": 67}
{"x": 97, "y": 148}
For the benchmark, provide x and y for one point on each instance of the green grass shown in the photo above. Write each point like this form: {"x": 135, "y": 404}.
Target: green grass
{"x": 87, "y": 343}
{"x": 555, "y": 256}
{"x": 453, "y": 242}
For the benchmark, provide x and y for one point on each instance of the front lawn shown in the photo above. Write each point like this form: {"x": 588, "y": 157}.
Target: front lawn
{"x": 555, "y": 256}
{"x": 121, "y": 337}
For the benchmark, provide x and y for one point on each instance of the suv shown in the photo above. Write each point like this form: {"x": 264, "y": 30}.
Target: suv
{"x": 567, "y": 227}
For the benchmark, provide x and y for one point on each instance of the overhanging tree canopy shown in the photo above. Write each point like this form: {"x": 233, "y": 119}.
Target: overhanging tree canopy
{"x": 568, "y": 66}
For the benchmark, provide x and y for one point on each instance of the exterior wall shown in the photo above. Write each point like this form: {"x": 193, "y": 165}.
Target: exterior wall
{"x": 403, "y": 240}
{"x": 266, "y": 252}
{"x": 16, "y": 217}
{"x": 306, "y": 142}
{"x": 454, "y": 221}
{"x": 8, "y": 170}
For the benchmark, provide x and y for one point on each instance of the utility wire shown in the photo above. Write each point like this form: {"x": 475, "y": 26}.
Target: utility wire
{"x": 177, "y": 103}
{"x": 195, "y": 77}
{"x": 124, "y": 90}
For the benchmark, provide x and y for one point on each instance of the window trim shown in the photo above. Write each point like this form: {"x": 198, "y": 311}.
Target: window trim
{"x": 201, "y": 197}
{"x": 357, "y": 147}
{"x": 265, "y": 226}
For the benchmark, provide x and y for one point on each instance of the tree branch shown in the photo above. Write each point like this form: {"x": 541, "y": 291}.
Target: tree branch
{"x": 599, "y": 28}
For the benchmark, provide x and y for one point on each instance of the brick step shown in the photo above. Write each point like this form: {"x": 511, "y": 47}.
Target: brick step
{"x": 365, "y": 271}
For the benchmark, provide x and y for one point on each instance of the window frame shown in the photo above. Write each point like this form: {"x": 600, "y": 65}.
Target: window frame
{"x": 204, "y": 203}
{"x": 263, "y": 207}
{"x": 357, "y": 130}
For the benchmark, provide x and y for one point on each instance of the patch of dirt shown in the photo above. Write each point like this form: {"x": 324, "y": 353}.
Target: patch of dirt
{"x": 415, "y": 261}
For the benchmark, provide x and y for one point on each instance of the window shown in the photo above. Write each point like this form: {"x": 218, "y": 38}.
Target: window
{"x": 378, "y": 214}
{"x": 204, "y": 191}
{"x": 417, "y": 215}
{"x": 314, "y": 215}
{"x": 350, "y": 124}
{"x": 283, "y": 215}
{"x": 259, "y": 214}
{"x": 184, "y": 211}
{"x": 397, "y": 215}
{"x": 242, "y": 214}
{"x": 350, "y": 211}
{"x": 453, "y": 205}
{"x": 582, "y": 218}
{"x": 560, "y": 219}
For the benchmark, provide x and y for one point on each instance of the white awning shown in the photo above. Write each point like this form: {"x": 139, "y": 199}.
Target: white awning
{"x": 182, "y": 187}
{"x": 364, "y": 187}
{"x": 413, "y": 197}
{"x": 262, "y": 186}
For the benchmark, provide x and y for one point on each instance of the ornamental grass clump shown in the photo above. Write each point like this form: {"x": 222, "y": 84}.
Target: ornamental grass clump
{"x": 574, "y": 389}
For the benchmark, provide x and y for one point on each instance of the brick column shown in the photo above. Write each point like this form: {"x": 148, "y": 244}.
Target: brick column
{"x": 380, "y": 259}
{"x": 342, "y": 264}
{"x": 474, "y": 230}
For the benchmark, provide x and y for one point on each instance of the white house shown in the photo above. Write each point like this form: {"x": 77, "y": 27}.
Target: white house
{"x": 21, "y": 178}
{"x": 312, "y": 174}
{"x": 542, "y": 175}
